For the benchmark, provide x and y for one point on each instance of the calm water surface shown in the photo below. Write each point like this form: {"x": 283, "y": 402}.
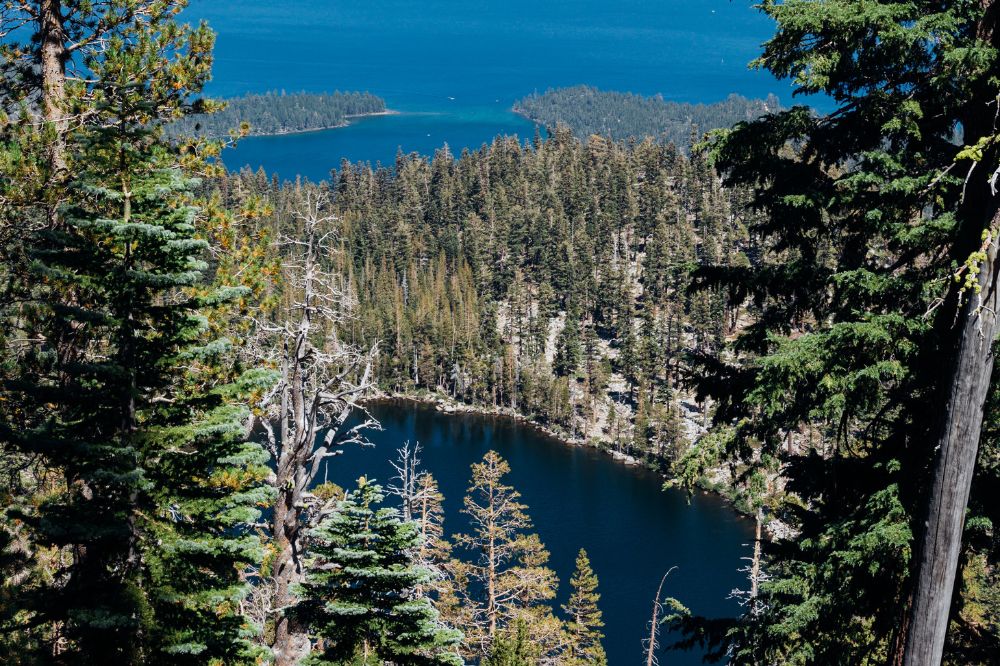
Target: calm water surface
{"x": 577, "y": 497}
{"x": 454, "y": 68}
{"x": 467, "y": 61}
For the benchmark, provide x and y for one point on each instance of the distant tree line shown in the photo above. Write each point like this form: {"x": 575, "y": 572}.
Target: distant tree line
{"x": 551, "y": 279}
{"x": 278, "y": 113}
{"x": 619, "y": 116}
{"x": 836, "y": 298}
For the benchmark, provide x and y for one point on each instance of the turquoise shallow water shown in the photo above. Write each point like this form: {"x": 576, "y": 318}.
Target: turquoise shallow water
{"x": 632, "y": 530}
{"x": 467, "y": 61}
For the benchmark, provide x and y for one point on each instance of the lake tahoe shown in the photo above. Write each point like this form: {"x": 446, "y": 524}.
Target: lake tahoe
{"x": 455, "y": 68}
{"x": 578, "y": 497}
{"x": 509, "y": 333}
{"x": 452, "y": 71}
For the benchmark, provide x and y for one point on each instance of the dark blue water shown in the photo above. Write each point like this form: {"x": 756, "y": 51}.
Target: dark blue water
{"x": 468, "y": 60}
{"x": 376, "y": 139}
{"x": 632, "y": 530}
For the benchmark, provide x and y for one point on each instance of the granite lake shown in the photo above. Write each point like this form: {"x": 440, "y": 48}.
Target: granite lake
{"x": 578, "y": 497}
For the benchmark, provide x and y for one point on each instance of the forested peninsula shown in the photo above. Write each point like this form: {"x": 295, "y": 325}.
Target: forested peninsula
{"x": 279, "y": 113}
{"x": 619, "y": 116}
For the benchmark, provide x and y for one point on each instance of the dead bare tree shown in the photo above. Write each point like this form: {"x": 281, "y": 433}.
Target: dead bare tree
{"x": 653, "y": 642}
{"x": 314, "y": 408}
{"x": 421, "y": 503}
{"x": 405, "y": 485}
{"x": 750, "y": 599}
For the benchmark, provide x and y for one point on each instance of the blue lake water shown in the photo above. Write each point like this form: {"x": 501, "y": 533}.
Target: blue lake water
{"x": 466, "y": 62}
{"x": 453, "y": 68}
{"x": 578, "y": 497}
{"x": 376, "y": 139}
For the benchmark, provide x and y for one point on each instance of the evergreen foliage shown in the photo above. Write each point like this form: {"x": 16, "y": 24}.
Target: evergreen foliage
{"x": 877, "y": 222}
{"x": 513, "y": 648}
{"x": 584, "y": 616}
{"x": 277, "y": 113}
{"x": 162, "y": 483}
{"x": 824, "y": 296}
{"x": 508, "y": 581}
{"x": 360, "y": 596}
{"x": 620, "y": 116}
{"x": 137, "y": 508}
{"x": 533, "y": 278}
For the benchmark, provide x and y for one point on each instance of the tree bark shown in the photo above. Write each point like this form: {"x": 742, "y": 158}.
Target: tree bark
{"x": 54, "y": 54}
{"x": 957, "y": 450}
{"x": 291, "y": 643}
{"x": 924, "y": 627}
{"x": 317, "y": 393}
{"x": 755, "y": 564}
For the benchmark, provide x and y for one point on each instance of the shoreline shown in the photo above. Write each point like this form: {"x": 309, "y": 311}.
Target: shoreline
{"x": 346, "y": 123}
{"x": 775, "y": 527}
{"x": 446, "y": 405}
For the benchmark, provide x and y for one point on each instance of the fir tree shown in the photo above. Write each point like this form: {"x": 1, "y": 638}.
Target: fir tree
{"x": 120, "y": 389}
{"x": 568, "y": 350}
{"x": 162, "y": 483}
{"x": 360, "y": 596}
{"x": 585, "y": 618}
{"x": 876, "y": 293}
{"x": 513, "y": 648}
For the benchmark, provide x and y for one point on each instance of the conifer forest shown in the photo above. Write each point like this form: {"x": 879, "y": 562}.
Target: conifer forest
{"x": 788, "y": 301}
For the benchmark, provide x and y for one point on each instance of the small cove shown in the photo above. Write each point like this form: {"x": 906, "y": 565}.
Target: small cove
{"x": 374, "y": 139}
{"x": 578, "y": 497}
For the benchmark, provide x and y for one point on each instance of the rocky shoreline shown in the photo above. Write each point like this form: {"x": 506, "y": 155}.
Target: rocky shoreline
{"x": 774, "y": 527}
{"x": 449, "y": 406}
{"x": 347, "y": 123}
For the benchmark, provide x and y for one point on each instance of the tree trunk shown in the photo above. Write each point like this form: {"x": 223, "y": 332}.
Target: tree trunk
{"x": 317, "y": 393}
{"x": 924, "y": 628}
{"x": 291, "y": 642}
{"x": 491, "y": 584}
{"x": 755, "y": 564}
{"x": 654, "y": 623}
{"x": 53, "y": 55}
{"x": 957, "y": 449}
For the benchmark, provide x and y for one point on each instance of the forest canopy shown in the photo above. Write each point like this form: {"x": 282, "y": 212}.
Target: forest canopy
{"x": 279, "y": 113}
{"x": 619, "y": 115}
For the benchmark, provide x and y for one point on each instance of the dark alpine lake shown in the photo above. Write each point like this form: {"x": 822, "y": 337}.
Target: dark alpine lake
{"x": 455, "y": 67}
{"x": 579, "y": 497}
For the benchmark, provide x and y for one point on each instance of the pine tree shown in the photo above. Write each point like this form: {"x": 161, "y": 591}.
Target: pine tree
{"x": 876, "y": 297}
{"x": 162, "y": 484}
{"x": 119, "y": 388}
{"x": 508, "y": 578}
{"x": 585, "y": 618}
{"x": 568, "y": 350}
{"x": 19, "y": 641}
{"x": 513, "y": 648}
{"x": 360, "y": 595}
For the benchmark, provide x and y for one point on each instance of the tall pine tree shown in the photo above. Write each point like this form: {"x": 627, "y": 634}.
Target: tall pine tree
{"x": 118, "y": 382}
{"x": 585, "y": 617}
{"x": 875, "y": 307}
